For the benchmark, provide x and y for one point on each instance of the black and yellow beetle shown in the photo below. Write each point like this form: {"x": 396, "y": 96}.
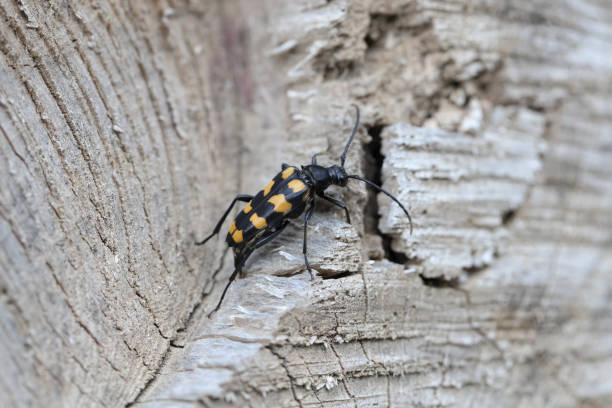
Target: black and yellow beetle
{"x": 288, "y": 195}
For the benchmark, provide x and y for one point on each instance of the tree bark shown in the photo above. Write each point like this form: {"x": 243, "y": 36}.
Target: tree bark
{"x": 127, "y": 128}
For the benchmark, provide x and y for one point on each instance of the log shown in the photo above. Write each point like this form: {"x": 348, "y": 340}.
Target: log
{"x": 127, "y": 128}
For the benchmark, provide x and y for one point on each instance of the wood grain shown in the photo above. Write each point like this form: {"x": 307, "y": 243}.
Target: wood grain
{"x": 126, "y": 128}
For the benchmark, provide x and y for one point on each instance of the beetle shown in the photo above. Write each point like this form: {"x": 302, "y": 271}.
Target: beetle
{"x": 289, "y": 194}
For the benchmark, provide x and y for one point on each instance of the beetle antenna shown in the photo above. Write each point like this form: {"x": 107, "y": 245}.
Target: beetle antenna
{"x": 343, "y": 157}
{"x": 379, "y": 188}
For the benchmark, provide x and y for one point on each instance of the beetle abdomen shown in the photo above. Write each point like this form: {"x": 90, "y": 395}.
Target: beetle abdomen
{"x": 283, "y": 197}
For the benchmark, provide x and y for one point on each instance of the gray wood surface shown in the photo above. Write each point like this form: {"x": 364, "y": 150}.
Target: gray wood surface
{"x": 126, "y": 128}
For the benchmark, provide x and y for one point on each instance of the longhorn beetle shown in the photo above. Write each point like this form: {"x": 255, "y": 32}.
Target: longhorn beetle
{"x": 287, "y": 195}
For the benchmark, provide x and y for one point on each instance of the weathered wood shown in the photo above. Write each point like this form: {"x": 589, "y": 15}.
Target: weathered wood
{"x": 127, "y": 128}
{"x": 115, "y": 127}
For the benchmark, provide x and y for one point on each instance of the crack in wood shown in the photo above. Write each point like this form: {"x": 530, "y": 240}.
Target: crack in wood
{"x": 373, "y": 171}
{"x": 290, "y": 377}
{"x": 344, "y": 376}
{"x": 173, "y": 341}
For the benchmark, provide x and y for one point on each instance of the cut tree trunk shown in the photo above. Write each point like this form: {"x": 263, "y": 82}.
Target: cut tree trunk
{"x": 127, "y": 128}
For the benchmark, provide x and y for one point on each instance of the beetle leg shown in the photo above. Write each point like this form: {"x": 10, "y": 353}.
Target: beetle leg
{"x": 314, "y": 157}
{"x": 305, "y": 248}
{"x": 264, "y": 240}
{"x": 240, "y": 197}
{"x": 339, "y": 204}
{"x": 269, "y": 237}
{"x": 231, "y": 279}
{"x": 242, "y": 258}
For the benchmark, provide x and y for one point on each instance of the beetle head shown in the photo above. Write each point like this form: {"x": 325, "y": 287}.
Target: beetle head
{"x": 337, "y": 175}
{"x": 323, "y": 177}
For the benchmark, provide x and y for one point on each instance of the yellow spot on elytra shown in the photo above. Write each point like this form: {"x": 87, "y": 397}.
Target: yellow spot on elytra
{"x": 237, "y": 236}
{"x": 232, "y": 228}
{"x": 248, "y": 207}
{"x": 287, "y": 172}
{"x": 267, "y": 188}
{"x": 257, "y": 221}
{"x": 296, "y": 185}
{"x": 280, "y": 204}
